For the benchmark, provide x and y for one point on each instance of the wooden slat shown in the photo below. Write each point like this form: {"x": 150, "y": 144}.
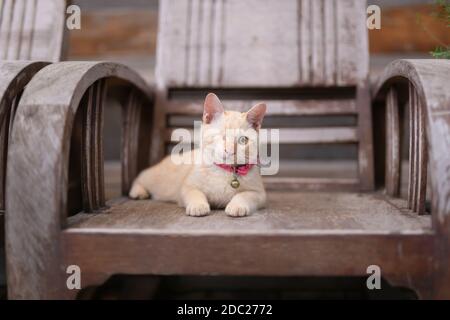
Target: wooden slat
{"x": 412, "y": 147}
{"x": 130, "y": 142}
{"x": 274, "y": 107}
{"x": 310, "y": 184}
{"x": 422, "y": 156}
{"x": 15, "y": 38}
{"x": 98, "y": 143}
{"x": 317, "y": 252}
{"x": 87, "y": 161}
{"x": 48, "y": 33}
{"x": 234, "y": 43}
{"x": 3, "y": 155}
{"x": 365, "y": 135}
{"x": 306, "y": 135}
{"x": 6, "y": 15}
{"x": 32, "y": 29}
{"x": 304, "y": 41}
{"x": 393, "y": 157}
{"x": 28, "y": 30}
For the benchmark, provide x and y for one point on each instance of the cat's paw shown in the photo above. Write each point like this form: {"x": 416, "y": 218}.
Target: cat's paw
{"x": 138, "y": 192}
{"x": 237, "y": 210}
{"x": 198, "y": 209}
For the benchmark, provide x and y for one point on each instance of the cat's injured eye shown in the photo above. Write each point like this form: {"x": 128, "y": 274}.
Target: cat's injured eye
{"x": 243, "y": 140}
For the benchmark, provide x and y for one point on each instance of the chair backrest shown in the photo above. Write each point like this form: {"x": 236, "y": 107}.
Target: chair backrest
{"x": 303, "y": 57}
{"x": 32, "y": 29}
{"x": 262, "y": 43}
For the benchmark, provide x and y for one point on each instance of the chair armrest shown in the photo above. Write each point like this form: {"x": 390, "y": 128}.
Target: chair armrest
{"x": 59, "y": 117}
{"x": 423, "y": 85}
{"x": 14, "y": 76}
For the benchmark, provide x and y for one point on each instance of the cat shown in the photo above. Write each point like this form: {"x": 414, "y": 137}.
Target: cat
{"x": 226, "y": 181}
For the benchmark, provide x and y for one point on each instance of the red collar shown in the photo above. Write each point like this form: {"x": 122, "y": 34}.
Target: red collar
{"x": 241, "y": 170}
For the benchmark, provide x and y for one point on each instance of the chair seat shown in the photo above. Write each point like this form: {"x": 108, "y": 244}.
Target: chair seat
{"x": 285, "y": 212}
{"x": 300, "y": 233}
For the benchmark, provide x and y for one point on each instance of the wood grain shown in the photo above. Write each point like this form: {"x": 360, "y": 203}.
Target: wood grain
{"x": 32, "y": 30}
{"x": 393, "y": 157}
{"x": 430, "y": 119}
{"x": 45, "y": 118}
{"x": 244, "y": 44}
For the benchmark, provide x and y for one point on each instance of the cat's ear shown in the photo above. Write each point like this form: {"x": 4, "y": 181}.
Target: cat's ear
{"x": 212, "y": 108}
{"x": 256, "y": 115}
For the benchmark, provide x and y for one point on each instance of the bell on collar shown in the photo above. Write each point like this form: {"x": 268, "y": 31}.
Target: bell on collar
{"x": 235, "y": 183}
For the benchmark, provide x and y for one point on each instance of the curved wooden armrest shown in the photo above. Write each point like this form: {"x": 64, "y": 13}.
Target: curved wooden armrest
{"x": 14, "y": 76}
{"x": 60, "y": 117}
{"x": 423, "y": 85}
{"x": 62, "y": 108}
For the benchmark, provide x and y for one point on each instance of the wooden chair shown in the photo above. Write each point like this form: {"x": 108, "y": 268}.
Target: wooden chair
{"x": 244, "y": 51}
{"x": 29, "y": 31}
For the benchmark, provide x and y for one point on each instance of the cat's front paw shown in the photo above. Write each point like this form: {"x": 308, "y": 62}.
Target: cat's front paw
{"x": 138, "y": 192}
{"x": 198, "y": 209}
{"x": 237, "y": 209}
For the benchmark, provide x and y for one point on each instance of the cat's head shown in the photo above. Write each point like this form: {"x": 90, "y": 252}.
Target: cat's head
{"x": 231, "y": 137}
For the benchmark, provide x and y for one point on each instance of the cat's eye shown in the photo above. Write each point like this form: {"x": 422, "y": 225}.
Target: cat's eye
{"x": 243, "y": 140}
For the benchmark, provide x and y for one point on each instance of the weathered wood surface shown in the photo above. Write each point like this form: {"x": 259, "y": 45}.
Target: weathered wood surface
{"x": 286, "y": 211}
{"x": 331, "y": 233}
{"x": 276, "y": 107}
{"x": 324, "y": 135}
{"x": 429, "y": 101}
{"x": 232, "y": 43}
{"x": 32, "y": 29}
{"x": 393, "y": 135}
{"x": 14, "y": 76}
{"x": 45, "y": 119}
{"x": 403, "y": 258}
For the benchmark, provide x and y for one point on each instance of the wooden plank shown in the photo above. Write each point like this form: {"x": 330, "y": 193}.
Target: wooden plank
{"x": 310, "y": 184}
{"x": 98, "y": 143}
{"x": 393, "y": 157}
{"x": 131, "y": 127}
{"x": 365, "y": 136}
{"x": 412, "y": 147}
{"x": 49, "y": 30}
{"x": 5, "y": 27}
{"x": 15, "y": 37}
{"x": 28, "y": 30}
{"x": 306, "y": 135}
{"x": 87, "y": 172}
{"x": 316, "y": 254}
{"x": 275, "y": 107}
{"x": 3, "y": 153}
{"x": 422, "y": 156}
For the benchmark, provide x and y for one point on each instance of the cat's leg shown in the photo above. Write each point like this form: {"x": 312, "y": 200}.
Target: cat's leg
{"x": 138, "y": 192}
{"x": 138, "y": 189}
{"x": 194, "y": 201}
{"x": 244, "y": 203}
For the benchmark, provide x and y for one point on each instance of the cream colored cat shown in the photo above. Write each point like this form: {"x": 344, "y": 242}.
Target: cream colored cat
{"x": 223, "y": 182}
